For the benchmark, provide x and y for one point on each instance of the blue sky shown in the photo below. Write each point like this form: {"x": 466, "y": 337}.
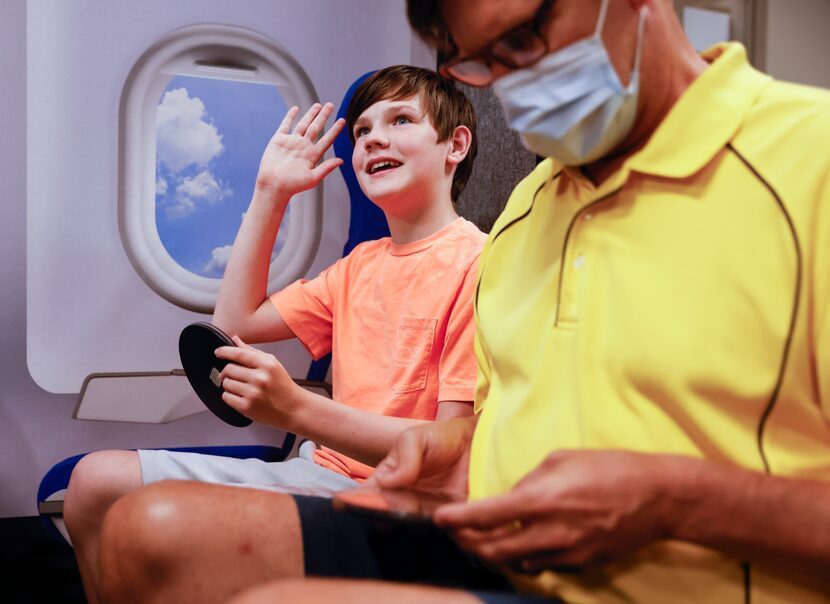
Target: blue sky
{"x": 210, "y": 135}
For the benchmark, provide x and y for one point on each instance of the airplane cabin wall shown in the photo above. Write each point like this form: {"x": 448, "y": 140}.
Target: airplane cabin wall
{"x": 36, "y": 427}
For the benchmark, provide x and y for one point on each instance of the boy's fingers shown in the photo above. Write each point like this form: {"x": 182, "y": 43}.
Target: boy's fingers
{"x": 319, "y": 122}
{"x": 235, "y": 372}
{"x": 238, "y": 341}
{"x": 237, "y": 402}
{"x": 233, "y": 386}
{"x": 285, "y": 125}
{"x": 326, "y": 168}
{"x": 328, "y": 138}
{"x": 248, "y": 357}
{"x": 303, "y": 124}
{"x": 402, "y": 466}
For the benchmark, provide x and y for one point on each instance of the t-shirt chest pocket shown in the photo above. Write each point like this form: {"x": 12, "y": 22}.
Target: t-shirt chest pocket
{"x": 411, "y": 353}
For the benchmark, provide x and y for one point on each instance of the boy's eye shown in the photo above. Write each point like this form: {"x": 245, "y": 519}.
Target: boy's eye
{"x": 402, "y": 119}
{"x": 361, "y": 131}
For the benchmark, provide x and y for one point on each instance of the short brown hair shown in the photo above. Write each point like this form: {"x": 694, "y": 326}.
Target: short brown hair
{"x": 445, "y": 105}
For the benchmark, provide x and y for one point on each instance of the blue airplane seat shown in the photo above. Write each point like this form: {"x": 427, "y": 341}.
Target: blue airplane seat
{"x": 366, "y": 222}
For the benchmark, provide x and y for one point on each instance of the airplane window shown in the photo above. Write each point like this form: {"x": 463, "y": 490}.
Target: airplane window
{"x": 196, "y": 113}
{"x": 209, "y": 138}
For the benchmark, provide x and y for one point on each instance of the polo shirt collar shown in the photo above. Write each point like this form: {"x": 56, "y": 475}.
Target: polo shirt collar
{"x": 705, "y": 118}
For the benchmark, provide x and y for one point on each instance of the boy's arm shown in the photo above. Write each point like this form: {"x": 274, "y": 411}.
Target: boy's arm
{"x": 258, "y": 386}
{"x": 362, "y": 435}
{"x": 288, "y": 166}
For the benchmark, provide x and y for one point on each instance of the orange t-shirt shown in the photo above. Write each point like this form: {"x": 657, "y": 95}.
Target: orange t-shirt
{"x": 398, "y": 320}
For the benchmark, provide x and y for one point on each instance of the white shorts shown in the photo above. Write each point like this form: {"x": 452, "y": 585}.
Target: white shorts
{"x": 299, "y": 476}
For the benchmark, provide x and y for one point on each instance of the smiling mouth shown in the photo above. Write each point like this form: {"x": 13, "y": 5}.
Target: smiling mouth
{"x": 383, "y": 165}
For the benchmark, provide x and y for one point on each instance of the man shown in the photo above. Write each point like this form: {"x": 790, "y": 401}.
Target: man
{"x": 653, "y": 322}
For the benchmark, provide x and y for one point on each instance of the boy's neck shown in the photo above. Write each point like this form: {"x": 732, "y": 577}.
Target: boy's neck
{"x": 414, "y": 227}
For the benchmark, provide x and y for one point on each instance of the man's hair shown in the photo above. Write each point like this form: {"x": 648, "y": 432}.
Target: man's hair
{"x": 444, "y": 104}
{"x": 426, "y": 20}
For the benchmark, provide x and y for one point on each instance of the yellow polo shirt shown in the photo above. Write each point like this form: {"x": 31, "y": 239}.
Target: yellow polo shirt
{"x": 681, "y": 307}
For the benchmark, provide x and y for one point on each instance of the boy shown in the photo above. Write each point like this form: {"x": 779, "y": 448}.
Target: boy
{"x": 396, "y": 313}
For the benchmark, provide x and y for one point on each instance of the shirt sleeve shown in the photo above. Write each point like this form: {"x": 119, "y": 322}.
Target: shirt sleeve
{"x": 308, "y": 307}
{"x": 457, "y": 366}
{"x": 821, "y": 317}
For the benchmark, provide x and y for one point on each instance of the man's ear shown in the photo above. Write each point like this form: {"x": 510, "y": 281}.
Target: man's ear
{"x": 460, "y": 144}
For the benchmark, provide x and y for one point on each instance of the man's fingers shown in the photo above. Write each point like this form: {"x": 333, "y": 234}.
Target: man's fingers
{"x": 505, "y": 544}
{"x": 484, "y": 514}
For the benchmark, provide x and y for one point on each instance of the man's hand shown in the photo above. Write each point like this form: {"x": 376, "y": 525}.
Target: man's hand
{"x": 257, "y": 385}
{"x": 289, "y": 163}
{"x": 434, "y": 456}
{"x": 576, "y": 509}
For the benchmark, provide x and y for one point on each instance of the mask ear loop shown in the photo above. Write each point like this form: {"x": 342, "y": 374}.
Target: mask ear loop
{"x": 603, "y": 10}
{"x": 641, "y": 27}
{"x": 638, "y": 52}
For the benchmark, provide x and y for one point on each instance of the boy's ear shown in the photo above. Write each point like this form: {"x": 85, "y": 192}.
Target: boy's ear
{"x": 460, "y": 144}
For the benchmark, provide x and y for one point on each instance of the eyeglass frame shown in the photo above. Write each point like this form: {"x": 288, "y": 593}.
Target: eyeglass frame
{"x": 487, "y": 56}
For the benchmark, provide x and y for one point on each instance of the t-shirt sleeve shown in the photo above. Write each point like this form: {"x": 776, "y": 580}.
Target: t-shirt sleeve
{"x": 457, "y": 366}
{"x": 307, "y": 306}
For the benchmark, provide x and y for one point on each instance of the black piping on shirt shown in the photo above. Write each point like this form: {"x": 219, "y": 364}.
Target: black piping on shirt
{"x": 762, "y": 423}
{"x": 510, "y": 224}
{"x": 793, "y": 317}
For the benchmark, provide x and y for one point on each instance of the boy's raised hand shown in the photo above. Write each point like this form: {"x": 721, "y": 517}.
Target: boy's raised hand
{"x": 289, "y": 163}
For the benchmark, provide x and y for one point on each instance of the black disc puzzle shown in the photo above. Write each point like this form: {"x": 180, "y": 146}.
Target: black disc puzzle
{"x": 197, "y": 344}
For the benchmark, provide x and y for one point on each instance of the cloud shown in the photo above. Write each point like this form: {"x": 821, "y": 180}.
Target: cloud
{"x": 202, "y": 188}
{"x": 219, "y": 259}
{"x": 161, "y": 187}
{"x": 183, "y": 137}
{"x": 179, "y": 208}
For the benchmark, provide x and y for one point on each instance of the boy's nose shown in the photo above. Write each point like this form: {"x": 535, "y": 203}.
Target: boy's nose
{"x": 375, "y": 139}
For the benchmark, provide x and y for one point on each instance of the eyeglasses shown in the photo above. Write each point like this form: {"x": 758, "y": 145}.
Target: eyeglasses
{"x": 521, "y": 46}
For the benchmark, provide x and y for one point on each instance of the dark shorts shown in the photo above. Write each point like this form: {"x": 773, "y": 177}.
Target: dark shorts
{"x": 340, "y": 544}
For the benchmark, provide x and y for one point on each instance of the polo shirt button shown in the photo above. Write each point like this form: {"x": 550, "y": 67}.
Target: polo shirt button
{"x": 588, "y": 216}
{"x": 579, "y": 262}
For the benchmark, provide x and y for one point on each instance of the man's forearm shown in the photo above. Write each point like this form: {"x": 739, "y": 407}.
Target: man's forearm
{"x": 755, "y": 517}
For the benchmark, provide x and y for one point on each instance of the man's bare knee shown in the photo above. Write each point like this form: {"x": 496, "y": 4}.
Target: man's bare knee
{"x": 314, "y": 591}
{"x": 175, "y": 538}
{"x": 140, "y": 541}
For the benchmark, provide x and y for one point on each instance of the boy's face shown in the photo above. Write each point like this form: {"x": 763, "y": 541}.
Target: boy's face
{"x": 397, "y": 154}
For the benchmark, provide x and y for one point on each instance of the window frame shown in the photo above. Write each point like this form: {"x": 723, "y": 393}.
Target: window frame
{"x": 206, "y": 51}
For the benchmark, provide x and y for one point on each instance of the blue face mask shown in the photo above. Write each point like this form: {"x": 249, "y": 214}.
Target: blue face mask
{"x": 571, "y": 105}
